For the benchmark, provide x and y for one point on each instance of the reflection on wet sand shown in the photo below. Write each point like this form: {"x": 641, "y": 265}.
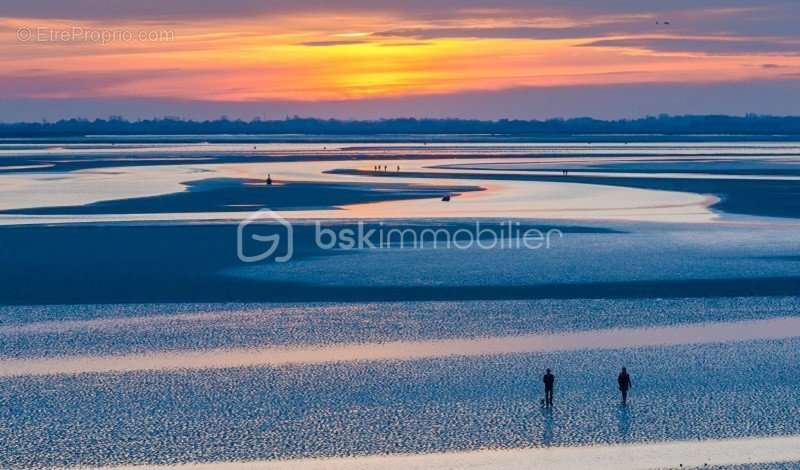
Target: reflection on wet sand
{"x": 519, "y": 199}
{"x": 702, "y": 333}
{"x": 686, "y": 454}
{"x": 226, "y": 410}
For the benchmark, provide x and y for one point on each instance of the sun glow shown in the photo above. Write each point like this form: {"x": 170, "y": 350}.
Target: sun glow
{"x": 311, "y": 58}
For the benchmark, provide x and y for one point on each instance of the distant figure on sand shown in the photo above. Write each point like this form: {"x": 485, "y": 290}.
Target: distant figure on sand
{"x": 269, "y": 179}
{"x": 385, "y": 168}
{"x": 398, "y": 168}
{"x": 624, "y": 381}
{"x": 549, "y": 379}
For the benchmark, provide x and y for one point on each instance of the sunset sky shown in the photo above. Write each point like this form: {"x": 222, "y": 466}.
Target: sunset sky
{"x": 378, "y": 58}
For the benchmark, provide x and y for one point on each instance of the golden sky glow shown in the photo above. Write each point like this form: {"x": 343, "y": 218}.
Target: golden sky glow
{"x": 312, "y": 56}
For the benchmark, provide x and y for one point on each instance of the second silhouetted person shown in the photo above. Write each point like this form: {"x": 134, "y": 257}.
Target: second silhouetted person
{"x": 624, "y": 381}
{"x": 549, "y": 379}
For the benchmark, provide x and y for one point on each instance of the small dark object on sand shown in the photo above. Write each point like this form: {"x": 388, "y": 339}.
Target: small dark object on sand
{"x": 446, "y": 198}
{"x": 269, "y": 180}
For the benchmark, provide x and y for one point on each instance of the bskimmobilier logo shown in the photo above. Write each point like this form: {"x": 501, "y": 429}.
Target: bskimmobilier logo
{"x": 272, "y": 242}
{"x": 266, "y": 235}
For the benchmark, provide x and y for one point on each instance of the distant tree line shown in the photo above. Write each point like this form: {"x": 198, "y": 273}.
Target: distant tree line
{"x": 664, "y": 124}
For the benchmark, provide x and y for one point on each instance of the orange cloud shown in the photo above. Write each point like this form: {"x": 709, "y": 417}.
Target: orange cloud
{"x": 313, "y": 57}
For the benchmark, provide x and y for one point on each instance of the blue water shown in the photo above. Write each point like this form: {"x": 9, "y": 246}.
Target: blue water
{"x": 746, "y": 389}
{"x": 181, "y": 327}
{"x": 111, "y": 289}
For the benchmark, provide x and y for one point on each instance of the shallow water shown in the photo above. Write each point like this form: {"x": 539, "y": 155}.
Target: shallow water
{"x": 149, "y": 348}
{"x": 680, "y": 392}
{"x": 503, "y": 199}
{"x": 101, "y": 172}
{"x": 704, "y": 333}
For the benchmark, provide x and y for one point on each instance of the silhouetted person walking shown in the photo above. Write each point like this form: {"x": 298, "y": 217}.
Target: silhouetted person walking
{"x": 624, "y": 381}
{"x": 269, "y": 179}
{"x": 549, "y": 379}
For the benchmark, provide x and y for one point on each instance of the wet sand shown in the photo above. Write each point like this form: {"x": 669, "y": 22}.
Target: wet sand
{"x": 717, "y": 332}
{"x": 169, "y": 383}
{"x": 240, "y": 195}
{"x": 320, "y": 190}
{"x": 684, "y": 454}
{"x": 766, "y": 196}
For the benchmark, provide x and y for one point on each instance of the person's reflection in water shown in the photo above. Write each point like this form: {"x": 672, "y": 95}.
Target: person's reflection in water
{"x": 547, "y": 430}
{"x": 623, "y": 422}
